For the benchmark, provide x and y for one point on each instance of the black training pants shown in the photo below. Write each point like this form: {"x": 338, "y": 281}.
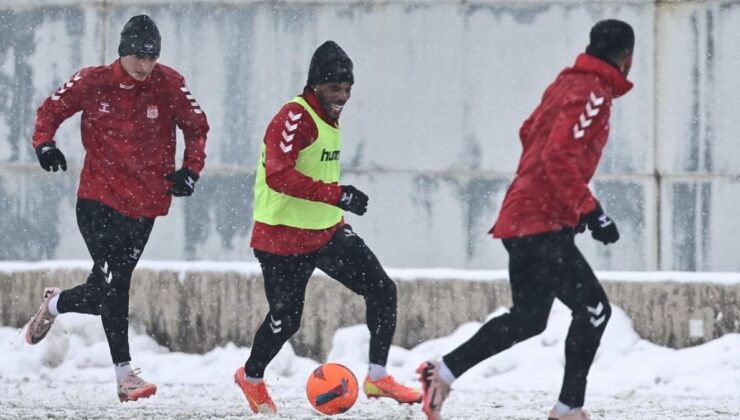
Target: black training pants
{"x": 115, "y": 243}
{"x": 541, "y": 268}
{"x": 345, "y": 258}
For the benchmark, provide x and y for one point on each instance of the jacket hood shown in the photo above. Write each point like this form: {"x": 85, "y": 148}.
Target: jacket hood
{"x": 611, "y": 75}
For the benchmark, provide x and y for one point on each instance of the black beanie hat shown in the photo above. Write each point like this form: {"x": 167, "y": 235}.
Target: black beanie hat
{"x": 140, "y": 36}
{"x": 330, "y": 64}
{"x": 609, "y": 38}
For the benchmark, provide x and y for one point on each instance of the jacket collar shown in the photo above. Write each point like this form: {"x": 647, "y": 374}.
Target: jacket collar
{"x": 610, "y": 74}
{"x": 123, "y": 79}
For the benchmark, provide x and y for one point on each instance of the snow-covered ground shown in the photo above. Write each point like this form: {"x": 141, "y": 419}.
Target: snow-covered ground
{"x": 69, "y": 375}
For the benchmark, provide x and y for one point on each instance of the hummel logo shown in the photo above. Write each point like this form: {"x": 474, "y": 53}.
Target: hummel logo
{"x": 604, "y": 221}
{"x": 190, "y": 182}
{"x": 290, "y": 127}
{"x": 289, "y": 131}
{"x": 598, "y": 321}
{"x": 275, "y": 325}
{"x": 597, "y": 311}
{"x": 69, "y": 84}
{"x": 586, "y": 117}
{"x": 327, "y": 155}
{"x": 591, "y": 111}
{"x": 346, "y": 198}
{"x": 596, "y": 101}
{"x": 294, "y": 117}
{"x": 107, "y": 272}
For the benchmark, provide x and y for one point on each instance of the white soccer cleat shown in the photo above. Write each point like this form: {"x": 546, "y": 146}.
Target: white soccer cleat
{"x": 132, "y": 387}
{"x": 580, "y": 414}
{"x": 434, "y": 389}
{"x": 41, "y": 323}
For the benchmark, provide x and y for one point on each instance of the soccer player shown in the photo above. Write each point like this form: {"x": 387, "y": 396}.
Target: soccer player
{"x": 299, "y": 226}
{"x": 547, "y": 203}
{"x": 129, "y": 113}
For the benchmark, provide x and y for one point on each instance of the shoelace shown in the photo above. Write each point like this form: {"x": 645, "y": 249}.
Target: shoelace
{"x": 45, "y": 315}
{"x": 134, "y": 380}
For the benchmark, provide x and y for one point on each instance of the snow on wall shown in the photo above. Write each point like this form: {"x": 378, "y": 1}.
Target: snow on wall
{"x": 430, "y": 132}
{"x": 174, "y": 300}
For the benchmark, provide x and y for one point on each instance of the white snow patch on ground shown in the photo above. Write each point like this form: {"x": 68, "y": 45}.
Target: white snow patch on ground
{"x": 69, "y": 375}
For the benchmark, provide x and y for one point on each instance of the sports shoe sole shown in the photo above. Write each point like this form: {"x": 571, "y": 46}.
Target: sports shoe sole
{"x": 374, "y": 396}
{"x": 145, "y": 392}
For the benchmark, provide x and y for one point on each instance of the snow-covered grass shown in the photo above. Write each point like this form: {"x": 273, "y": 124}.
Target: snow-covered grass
{"x": 69, "y": 375}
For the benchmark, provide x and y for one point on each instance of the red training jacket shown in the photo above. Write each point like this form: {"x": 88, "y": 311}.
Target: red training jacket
{"x": 562, "y": 143}
{"x": 282, "y": 176}
{"x": 128, "y": 132}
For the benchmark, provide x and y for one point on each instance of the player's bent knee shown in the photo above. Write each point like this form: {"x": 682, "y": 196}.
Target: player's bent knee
{"x": 389, "y": 289}
{"x": 526, "y": 324}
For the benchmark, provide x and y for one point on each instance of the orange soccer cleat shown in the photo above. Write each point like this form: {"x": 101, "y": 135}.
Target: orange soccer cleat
{"x": 387, "y": 387}
{"x": 257, "y": 396}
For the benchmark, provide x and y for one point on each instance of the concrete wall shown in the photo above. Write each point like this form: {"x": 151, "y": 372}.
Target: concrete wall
{"x": 195, "y": 310}
{"x": 431, "y": 130}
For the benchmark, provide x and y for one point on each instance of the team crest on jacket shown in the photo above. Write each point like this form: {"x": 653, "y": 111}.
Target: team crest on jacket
{"x": 152, "y": 112}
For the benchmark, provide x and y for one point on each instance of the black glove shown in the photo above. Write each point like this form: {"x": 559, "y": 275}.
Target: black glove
{"x": 183, "y": 182}
{"x": 50, "y": 157}
{"x": 352, "y": 200}
{"x": 602, "y": 227}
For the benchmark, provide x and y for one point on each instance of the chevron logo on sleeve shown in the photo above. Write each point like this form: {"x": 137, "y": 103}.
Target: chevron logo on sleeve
{"x": 586, "y": 117}
{"x": 289, "y": 131}
{"x": 193, "y": 103}
{"x": 65, "y": 87}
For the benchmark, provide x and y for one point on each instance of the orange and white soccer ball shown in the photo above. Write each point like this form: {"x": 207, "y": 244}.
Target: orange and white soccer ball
{"x": 331, "y": 388}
